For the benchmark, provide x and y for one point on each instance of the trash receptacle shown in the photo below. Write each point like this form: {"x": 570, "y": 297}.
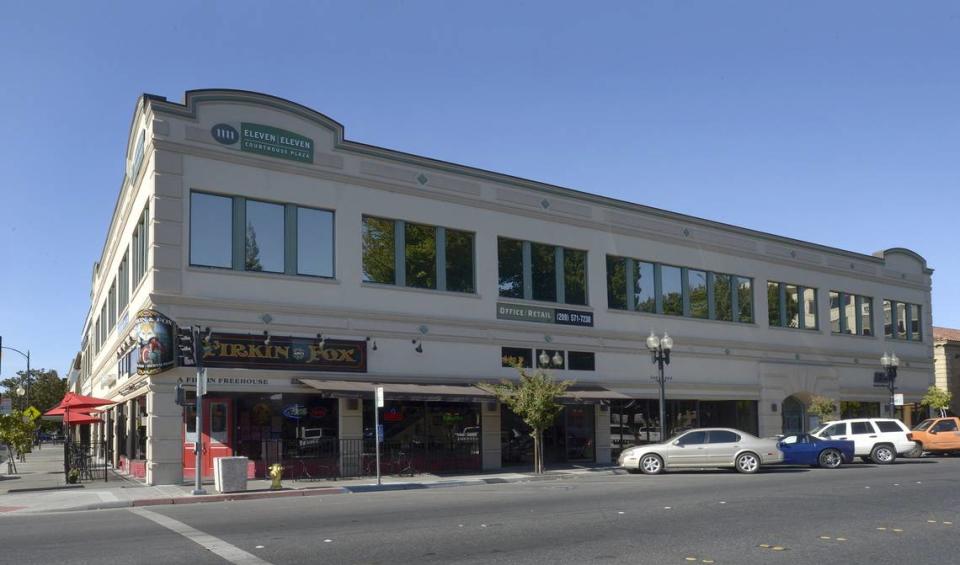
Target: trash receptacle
{"x": 230, "y": 474}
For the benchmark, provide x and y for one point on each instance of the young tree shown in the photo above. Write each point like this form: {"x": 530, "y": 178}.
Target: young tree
{"x": 535, "y": 399}
{"x": 937, "y": 399}
{"x": 822, "y": 407}
{"x": 16, "y": 431}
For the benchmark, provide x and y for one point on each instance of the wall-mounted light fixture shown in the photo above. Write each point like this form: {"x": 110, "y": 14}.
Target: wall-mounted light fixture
{"x": 266, "y": 337}
{"x": 321, "y": 341}
{"x": 419, "y": 347}
{"x": 374, "y": 347}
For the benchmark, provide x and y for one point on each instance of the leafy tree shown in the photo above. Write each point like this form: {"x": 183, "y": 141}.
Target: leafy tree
{"x": 823, "y": 407}
{"x": 937, "y": 399}
{"x": 379, "y": 258}
{"x": 534, "y": 399}
{"x": 252, "y": 255}
{"x": 45, "y": 389}
{"x": 16, "y": 431}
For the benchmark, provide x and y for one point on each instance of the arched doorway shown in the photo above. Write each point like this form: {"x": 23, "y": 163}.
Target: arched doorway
{"x": 793, "y": 416}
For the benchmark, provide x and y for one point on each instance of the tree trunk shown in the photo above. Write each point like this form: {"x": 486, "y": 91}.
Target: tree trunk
{"x": 536, "y": 451}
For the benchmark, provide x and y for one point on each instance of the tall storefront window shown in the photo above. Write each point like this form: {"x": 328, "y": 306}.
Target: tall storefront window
{"x": 616, "y": 282}
{"x": 671, "y": 284}
{"x": 264, "y": 235}
{"x": 574, "y": 276}
{"x": 722, "y": 297}
{"x": 314, "y": 242}
{"x": 570, "y": 438}
{"x": 211, "y": 230}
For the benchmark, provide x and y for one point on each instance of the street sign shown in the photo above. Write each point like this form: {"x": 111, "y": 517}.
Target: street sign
{"x": 379, "y": 397}
{"x": 898, "y": 399}
{"x": 31, "y": 413}
{"x": 380, "y": 433}
{"x": 202, "y": 382}
{"x": 880, "y": 379}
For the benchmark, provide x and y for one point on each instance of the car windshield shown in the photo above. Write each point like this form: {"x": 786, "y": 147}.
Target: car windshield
{"x": 922, "y": 426}
{"x": 818, "y": 429}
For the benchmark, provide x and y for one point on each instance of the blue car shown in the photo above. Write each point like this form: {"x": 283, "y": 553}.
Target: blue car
{"x": 805, "y": 449}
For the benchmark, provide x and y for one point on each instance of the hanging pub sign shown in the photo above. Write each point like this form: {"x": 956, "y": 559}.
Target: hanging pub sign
{"x": 246, "y": 351}
{"x": 153, "y": 336}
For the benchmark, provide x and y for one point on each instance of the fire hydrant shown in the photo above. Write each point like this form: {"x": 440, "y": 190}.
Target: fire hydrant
{"x": 276, "y": 473}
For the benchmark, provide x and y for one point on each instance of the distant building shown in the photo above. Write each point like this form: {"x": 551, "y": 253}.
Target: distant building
{"x": 324, "y": 267}
{"x": 946, "y": 363}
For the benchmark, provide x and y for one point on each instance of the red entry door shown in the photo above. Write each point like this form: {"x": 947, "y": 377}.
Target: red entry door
{"x": 216, "y": 439}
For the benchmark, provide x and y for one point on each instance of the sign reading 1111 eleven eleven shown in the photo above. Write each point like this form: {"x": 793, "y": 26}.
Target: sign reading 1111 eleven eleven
{"x": 265, "y": 140}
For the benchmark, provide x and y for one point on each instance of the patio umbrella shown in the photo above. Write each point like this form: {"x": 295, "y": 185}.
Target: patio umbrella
{"x": 77, "y": 419}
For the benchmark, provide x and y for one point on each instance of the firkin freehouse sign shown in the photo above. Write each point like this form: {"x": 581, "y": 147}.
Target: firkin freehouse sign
{"x": 265, "y": 140}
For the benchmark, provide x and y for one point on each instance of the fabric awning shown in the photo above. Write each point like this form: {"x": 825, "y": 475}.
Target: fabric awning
{"x": 400, "y": 391}
{"x": 593, "y": 393}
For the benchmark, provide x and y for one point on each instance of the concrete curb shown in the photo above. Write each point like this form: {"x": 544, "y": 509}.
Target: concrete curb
{"x": 319, "y": 491}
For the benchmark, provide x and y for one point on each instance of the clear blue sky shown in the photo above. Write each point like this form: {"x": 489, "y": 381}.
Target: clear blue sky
{"x": 833, "y": 122}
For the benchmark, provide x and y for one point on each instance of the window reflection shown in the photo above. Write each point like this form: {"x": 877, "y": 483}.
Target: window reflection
{"x": 544, "y": 271}
{"x": 671, "y": 283}
{"x": 745, "y": 299}
{"x": 866, "y": 315}
{"x": 420, "y": 255}
{"x": 835, "y": 312}
{"x": 901, "y": 320}
{"x": 697, "y": 287}
{"x": 773, "y": 304}
{"x": 792, "y": 298}
{"x": 722, "y": 297}
{"x": 645, "y": 288}
{"x": 616, "y": 282}
{"x": 379, "y": 254}
{"x": 211, "y": 230}
{"x": 459, "y": 255}
{"x": 314, "y": 242}
{"x": 574, "y": 276}
{"x": 264, "y": 237}
{"x": 810, "y": 309}
{"x": 510, "y": 263}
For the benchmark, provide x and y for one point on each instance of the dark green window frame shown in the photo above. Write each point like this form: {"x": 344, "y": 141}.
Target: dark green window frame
{"x": 909, "y": 310}
{"x": 440, "y": 256}
{"x": 626, "y": 299}
{"x": 290, "y": 237}
{"x": 563, "y": 257}
{"x": 777, "y": 313}
{"x": 858, "y": 301}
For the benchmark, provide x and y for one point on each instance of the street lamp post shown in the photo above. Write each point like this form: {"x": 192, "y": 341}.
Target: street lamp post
{"x": 27, "y": 356}
{"x": 890, "y": 362}
{"x": 660, "y": 354}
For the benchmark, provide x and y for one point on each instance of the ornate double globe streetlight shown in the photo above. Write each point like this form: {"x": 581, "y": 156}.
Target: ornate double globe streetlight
{"x": 660, "y": 355}
{"x": 546, "y": 360}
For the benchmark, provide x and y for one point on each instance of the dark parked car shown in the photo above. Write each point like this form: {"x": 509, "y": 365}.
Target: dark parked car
{"x": 805, "y": 449}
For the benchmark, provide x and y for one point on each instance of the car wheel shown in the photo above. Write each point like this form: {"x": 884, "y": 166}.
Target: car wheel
{"x": 883, "y": 454}
{"x": 747, "y": 463}
{"x": 651, "y": 464}
{"x": 830, "y": 459}
{"x": 917, "y": 450}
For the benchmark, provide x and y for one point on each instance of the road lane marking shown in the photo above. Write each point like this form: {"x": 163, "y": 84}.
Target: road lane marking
{"x": 230, "y": 552}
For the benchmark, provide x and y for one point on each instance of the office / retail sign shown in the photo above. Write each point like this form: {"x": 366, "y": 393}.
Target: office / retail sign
{"x": 265, "y": 140}
{"x": 561, "y": 316}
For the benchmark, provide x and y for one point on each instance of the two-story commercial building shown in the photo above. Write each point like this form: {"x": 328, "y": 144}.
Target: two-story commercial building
{"x": 318, "y": 268}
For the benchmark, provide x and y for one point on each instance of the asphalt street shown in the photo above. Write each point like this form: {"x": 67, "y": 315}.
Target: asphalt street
{"x": 905, "y": 513}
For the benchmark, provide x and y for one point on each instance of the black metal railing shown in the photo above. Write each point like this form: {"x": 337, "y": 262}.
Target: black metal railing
{"x": 329, "y": 458}
{"x": 86, "y": 461}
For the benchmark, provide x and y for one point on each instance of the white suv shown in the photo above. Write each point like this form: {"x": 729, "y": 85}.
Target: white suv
{"x": 874, "y": 439}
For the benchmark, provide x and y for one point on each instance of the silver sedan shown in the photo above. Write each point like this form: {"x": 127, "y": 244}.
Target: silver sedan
{"x": 703, "y": 447}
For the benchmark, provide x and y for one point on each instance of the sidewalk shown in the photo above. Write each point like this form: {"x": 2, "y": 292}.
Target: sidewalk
{"x": 40, "y": 487}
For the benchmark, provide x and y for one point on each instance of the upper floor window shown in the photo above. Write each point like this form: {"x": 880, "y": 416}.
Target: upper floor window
{"x": 417, "y": 255}
{"x": 851, "y": 314}
{"x": 141, "y": 246}
{"x": 112, "y": 305}
{"x": 902, "y": 320}
{"x": 666, "y": 289}
{"x": 123, "y": 282}
{"x": 539, "y": 271}
{"x": 264, "y": 237}
{"x": 792, "y": 306}
{"x": 251, "y": 235}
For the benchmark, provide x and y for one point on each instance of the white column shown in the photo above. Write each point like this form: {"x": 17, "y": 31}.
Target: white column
{"x": 490, "y": 435}
{"x": 164, "y": 436}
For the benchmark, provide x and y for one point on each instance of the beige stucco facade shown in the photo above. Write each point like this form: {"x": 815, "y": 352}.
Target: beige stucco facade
{"x": 946, "y": 362}
{"x": 460, "y": 332}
